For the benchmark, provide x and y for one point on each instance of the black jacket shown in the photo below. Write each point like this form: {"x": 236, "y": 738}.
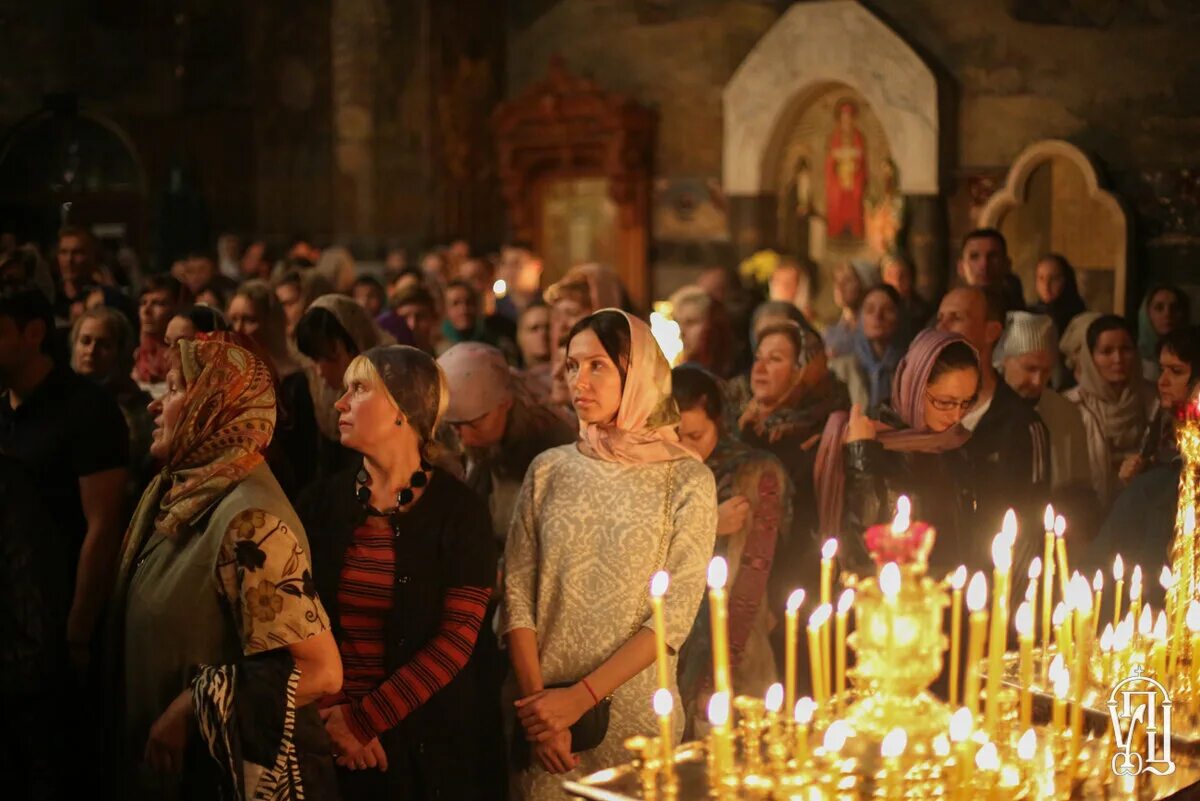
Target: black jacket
{"x": 443, "y": 541}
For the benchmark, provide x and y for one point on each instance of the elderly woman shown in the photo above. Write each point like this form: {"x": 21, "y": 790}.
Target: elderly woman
{"x": 595, "y": 520}
{"x": 102, "y": 350}
{"x": 755, "y": 497}
{"x": 255, "y": 312}
{"x": 1165, "y": 309}
{"x": 704, "y": 329}
{"x": 878, "y": 344}
{"x": 405, "y": 562}
{"x": 215, "y": 618}
{"x": 499, "y": 424}
{"x": 915, "y": 448}
{"x": 1116, "y": 401}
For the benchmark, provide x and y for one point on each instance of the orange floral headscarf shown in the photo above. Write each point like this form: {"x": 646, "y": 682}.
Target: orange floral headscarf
{"x": 227, "y": 421}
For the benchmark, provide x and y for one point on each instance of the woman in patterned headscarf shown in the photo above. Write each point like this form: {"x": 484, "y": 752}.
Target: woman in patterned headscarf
{"x": 595, "y": 520}
{"x": 222, "y": 643}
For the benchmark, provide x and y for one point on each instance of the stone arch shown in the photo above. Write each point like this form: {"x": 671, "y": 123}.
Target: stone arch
{"x": 1086, "y": 223}
{"x": 820, "y": 43}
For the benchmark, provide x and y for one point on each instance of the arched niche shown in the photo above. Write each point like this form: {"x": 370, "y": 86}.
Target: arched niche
{"x": 1053, "y": 201}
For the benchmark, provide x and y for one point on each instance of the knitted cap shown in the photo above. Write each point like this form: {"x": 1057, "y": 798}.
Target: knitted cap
{"x": 479, "y": 380}
{"x": 1025, "y": 332}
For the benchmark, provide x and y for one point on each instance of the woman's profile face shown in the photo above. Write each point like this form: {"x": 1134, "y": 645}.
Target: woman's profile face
{"x": 366, "y": 414}
{"x": 167, "y": 411}
{"x": 1050, "y": 281}
{"x": 949, "y": 397}
{"x": 698, "y": 432}
{"x": 774, "y": 369}
{"x": 1175, "y": 382}
{"x": 1165, "y": 311}
{"x": 1114, "y": 355}
{"x": 593, "y": 379}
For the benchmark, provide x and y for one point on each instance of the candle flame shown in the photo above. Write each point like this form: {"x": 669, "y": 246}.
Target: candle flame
{"x": 718, "y": 709}
{"x": 805, "y": 708}
{"x": 1193, "y": 620}
{"x": 774, "y": 700}
{"x": 1166, "y": 578}
{"x": 1009, "y": 776}
{"x": 988, "y": 758}
{"x": 1135, "y": 582}
{"x": 795, "y": 600}
{"x": 961, "y": 724}
{"x": 941, "y": 746}
{"x": 889, "y": 580}
{"x": 1124, "y": 634}
{"x": 844, "y": 601}
{"x": 1001, "y": 552}
{"x": 1062, "y": 684}
{"x": 663, "y": 702}
{"x": 958, "y": 579}
{"x": 718, "y": 571}
{"x": 894, "y": 743}
{"x": 903, "y": 518}
{"x": 1024, "y": 619}
{"x": 1035, "y": 568}
{"x": 836, "y": 735}
{"x": 1048, "y": 518}
{"x": 1098, "y": 581}
{"x": 1080, "y": 594}
{"x": 1160, "y": 627}
{"x": 1056, "y": 666}
{"x": 977, "y": 592}
{"x": 821, "y": 616}
{"x": 1009, "y": 527}
{"x": 1107, "y": 637}
{"x": 1118, "y": 568}
{"x": 500, "y": 288}
{"x": 1027, "y": 745}
{"x": 1031, "y": 590}
{"x": 1146, "y": 622}
{"x": 829, "y": 549}
{"x": 1060, "y": 613}
{"x": 659, "y": 584}
{"x": 1060, "y": 525}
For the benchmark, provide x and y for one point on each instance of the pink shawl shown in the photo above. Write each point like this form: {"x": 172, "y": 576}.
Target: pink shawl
{"x": 644, "y": 430}
{"x": 908, "y": 400}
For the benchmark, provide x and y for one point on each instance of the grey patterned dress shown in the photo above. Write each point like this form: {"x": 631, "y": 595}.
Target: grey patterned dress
{"x": 586, "y": 537}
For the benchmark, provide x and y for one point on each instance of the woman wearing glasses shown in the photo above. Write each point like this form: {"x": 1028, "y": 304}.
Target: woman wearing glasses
{"x": 915, "y": 448}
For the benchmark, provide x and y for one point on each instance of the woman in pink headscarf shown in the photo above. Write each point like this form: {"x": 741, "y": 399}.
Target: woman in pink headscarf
{"x": 914, "y": 449}
{"x": 596, "y": 519}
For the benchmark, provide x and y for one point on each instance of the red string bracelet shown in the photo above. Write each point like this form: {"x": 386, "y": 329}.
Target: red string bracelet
{"x": 591, "y": 692}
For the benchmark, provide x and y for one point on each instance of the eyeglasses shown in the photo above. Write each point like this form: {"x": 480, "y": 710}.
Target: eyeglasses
{"x": 950, "y": 404}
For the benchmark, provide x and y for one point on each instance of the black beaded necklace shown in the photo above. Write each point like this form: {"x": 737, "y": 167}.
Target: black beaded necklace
{"x": 404, "y": 497}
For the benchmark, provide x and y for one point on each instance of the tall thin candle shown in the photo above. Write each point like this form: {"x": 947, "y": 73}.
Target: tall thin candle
{"x": 663, "y": 703}
{"x": 818, "y": 619}
{"x": 803, "y": 715}
{"x": 1060, "y": 551}
{"x": 976, "y": 603}
{"x": 1118, "y": 574}
{"x": 1061, "y": 680}
{"x": 1047, "y": 586}
{"x": 1135, "y": 592}
{"x": 828, "y": 552}
{"x": 719, "y": 620}
{"x": 1082, "y": 601}
{"x": 843, "y": 610}
{"x": 790, "y": 645}
{"x": 1098, "y": 590}
{"x": 1024, "y": 621}
{"x": 957, "y": 581}
{"x": 1002, "y": 559}
{"x": 658, "y": 588}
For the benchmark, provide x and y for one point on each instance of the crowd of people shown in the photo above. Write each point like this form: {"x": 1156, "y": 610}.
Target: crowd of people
{"x": 281, "y": 528}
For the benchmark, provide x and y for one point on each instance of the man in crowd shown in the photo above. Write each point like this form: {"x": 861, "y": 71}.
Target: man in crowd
{"x": 417, "y": 309}
{"x": 1009, "y": 448}
{"x": 984, "y": 262}
{"x": 78, "y": 271}
{"x": 466, "y": 321}
{"x": 1027, "y": 355}
{"x": 70, "y": 437}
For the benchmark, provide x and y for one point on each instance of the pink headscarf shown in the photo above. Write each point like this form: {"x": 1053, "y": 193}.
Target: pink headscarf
{"x": 908, "y": 399}
{"x": 644, "y": 431}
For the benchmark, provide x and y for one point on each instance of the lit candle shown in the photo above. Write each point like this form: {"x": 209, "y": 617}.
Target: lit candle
{"x": 961, "y": 725}
{"x": 843, "y": 610}
{"x": 719, "y": 738}
{"x": 1193, "y": 624}
{"x": 957, "y": 581}
{"x": 1062, "y": 686}
{"x": 658, "y": 588}
{"x": 803, "y": 715}
{"x": 775, "y": 750}
{"x": 1082, "y": 601}
{"x": 718, "y": 571}
{"x": 1060, "y": 552}
{"x": 892, "y": 748}
{"x": 1135, "y": 592}
{"x": 1145, "y": 626}
{"x": 1118, "y": 574}
{"x": 977, "y": 620}
{"x": 815, "y": 623}
{"x": 790, "y": 645}
{"x": 1002, "y": 559}
{"x": 1024, "y": 621}
{"x": 889, "y": 585}
{"x": 1062, "y": 632}
{"x": 1027, "y": 745}
{"x": 1035, "y": 573}
{"x": 987, "y": 760}
{"x": 828, "y": 551}
{"x": 1098, "y": 590}
{"x": 663, "y": 702}
{"x": 1047, "y": 585}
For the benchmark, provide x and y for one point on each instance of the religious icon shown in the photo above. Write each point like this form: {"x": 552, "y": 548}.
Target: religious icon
{"x": 845, "y": 173}
{"x": 886, "y": 216}
{"x": 795, "y": 207}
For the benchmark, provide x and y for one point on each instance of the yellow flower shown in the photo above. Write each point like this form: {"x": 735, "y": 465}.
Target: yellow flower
{"x": 264, "y": 601}
{"x": 249, "y": 521}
